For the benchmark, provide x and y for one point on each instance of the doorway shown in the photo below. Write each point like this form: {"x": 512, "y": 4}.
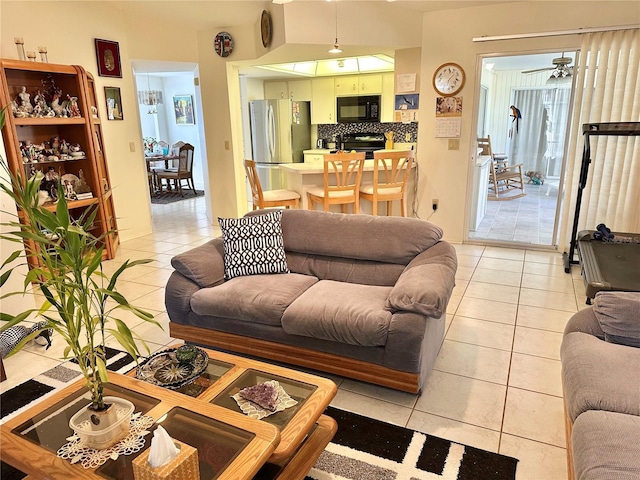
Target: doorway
{"x": 524, "y": 106}
{"x": 169, "y": 114}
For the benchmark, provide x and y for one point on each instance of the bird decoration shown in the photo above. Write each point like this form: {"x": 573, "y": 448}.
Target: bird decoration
{"x": 14, "y": 335}
{"x": 515, "y": 115}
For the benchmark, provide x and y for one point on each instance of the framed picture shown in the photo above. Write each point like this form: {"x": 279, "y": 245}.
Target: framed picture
{"x": 114, "y": 103}
{"x": 183, "y": 108}
{"x": 108, "y": 56}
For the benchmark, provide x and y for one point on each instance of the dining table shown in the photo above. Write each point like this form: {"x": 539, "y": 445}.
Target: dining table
{"x": 154, "y": 159}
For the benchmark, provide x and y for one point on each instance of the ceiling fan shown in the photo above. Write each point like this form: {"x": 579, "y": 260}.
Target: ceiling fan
{"x": 560, "y": 67}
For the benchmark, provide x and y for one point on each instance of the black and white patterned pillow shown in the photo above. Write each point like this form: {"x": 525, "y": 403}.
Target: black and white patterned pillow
{"x": 253, "y": 245}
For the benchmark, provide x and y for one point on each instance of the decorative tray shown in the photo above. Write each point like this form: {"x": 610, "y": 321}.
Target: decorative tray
{"x": 165, "y": 370}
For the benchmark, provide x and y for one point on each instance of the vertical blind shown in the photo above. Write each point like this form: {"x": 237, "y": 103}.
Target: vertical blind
{"x": 607, "y": 90}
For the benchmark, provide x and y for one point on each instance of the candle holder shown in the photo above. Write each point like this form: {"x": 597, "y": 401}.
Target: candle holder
{"x": 19, "y": 41}
{"x": 31, "y": 56}
{"x": 43, "y": 54}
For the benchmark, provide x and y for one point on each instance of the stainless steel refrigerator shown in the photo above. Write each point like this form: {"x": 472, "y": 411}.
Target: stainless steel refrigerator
{"x": 280, "y": 131}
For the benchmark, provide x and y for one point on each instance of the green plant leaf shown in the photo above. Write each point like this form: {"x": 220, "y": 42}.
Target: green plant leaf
{"x": 102, "y": 369}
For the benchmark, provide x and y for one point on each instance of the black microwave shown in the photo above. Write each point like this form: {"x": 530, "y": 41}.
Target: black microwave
{"x": 358, "y": 109}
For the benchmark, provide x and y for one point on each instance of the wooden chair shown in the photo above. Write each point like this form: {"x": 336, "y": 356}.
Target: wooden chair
{"x": 503, "y": 177}
{"x": 269, "y": 198}
{"x": 390, "y": 174}
{"x": 184, "y": 172}
{"x": 342, "y": 175}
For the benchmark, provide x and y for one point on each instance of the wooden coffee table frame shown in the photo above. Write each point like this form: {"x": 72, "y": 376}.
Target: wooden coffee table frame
{"x": 35, "y": 460}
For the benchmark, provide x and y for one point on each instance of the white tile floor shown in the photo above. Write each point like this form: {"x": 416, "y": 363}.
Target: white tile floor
{"x": 496, "y": 383}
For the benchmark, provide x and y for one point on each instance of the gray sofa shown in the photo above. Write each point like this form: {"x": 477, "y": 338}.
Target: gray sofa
{"x": 601, "y": 382}
{"x": 365, "y": 298}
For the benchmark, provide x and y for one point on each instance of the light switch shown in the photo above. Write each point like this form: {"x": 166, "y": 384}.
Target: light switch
{"x": 454, "y": 144}
{"x": 132, "y": 146}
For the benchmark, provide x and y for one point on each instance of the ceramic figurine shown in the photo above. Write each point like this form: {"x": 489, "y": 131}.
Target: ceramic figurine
{"x": 69, "y": 192}
{"x": 74, "y": 110}
{"x": 55, "y": 105}
{"x": 25, "y": 101}
{"x": 49, "y": 184}
{"x": 82, "y": 186}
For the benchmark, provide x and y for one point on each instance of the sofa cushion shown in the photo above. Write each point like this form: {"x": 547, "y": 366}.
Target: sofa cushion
{"x": 619, "y": 316}
{"x": 605, "y": 446}
{"x": 597, "y": 375}
{"x": 340, "y": 312}
{"x": 255, "y": 298}
{"x": 365, "y": 237}
{"x": 253, "y": 245}
{"x": 426, "y": 283}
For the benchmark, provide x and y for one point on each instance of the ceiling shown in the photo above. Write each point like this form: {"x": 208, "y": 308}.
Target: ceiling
{"x": 210, "y": 14}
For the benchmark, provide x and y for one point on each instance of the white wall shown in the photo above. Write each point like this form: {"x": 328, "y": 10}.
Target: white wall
{"x": 447, "y": 172}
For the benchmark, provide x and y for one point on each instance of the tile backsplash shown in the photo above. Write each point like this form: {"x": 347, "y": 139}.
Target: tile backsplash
{"x": 327, "y": 131}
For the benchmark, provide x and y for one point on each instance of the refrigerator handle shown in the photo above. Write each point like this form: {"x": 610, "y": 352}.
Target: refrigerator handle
{"x": 271, "y": 132}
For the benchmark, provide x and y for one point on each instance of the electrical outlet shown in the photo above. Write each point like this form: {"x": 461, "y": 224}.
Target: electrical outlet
{"x": 132, "y": 147}
{"x": 434, "y": 204}
{"x": 454, "y": 144}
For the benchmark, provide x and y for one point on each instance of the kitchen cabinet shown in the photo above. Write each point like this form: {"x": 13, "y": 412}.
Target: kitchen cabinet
{"x": 67, "y": 148}
{"x": 358, "y": 85}
{"x": 323, "y": 100}
{"x": 299, "y": 90}
{"x": 275, "y": 90}
{"x": 388, "y": 97}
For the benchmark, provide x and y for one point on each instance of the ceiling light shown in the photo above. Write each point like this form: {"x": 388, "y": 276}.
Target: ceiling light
{"x": 560, "y": 77}
{"x": 150, "y": 97}
{"x": 336, "y": 46}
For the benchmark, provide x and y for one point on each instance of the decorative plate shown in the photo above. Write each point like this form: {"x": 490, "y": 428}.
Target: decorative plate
{"x": 223, "y": 44}
{"x": 265, "y": 28}
{"x": 165, "y": 370}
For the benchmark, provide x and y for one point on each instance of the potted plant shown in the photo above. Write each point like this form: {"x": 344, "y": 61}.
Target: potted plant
{"x": 81, "y": 301}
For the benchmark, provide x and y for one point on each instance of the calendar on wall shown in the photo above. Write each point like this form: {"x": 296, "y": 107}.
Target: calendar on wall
{"x": 448, "y": 117}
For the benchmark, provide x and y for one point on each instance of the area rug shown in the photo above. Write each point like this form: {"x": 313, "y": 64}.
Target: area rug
{"x": 17, "y": 399}
{"x": 163, "y": 198}
{"x": 364, "y": 448}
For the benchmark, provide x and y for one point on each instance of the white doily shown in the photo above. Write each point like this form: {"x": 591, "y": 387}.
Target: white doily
{"x": 75, "y": 451}
{"x": 253, "y": 410}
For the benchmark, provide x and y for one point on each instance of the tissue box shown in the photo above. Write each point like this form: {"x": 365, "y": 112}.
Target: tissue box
{"x": 183, "y": 467}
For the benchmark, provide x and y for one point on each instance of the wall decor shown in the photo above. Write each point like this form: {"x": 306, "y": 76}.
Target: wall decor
{"x": 108, "y": 57}
{"x": 183, "y": 108}
{"x": 114, "y": 103}
{"x": 265, "y": 28}
{"x": 223, "y": 44}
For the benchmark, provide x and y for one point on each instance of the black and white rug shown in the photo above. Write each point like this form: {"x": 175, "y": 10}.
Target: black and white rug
{"x": 17, "y": 399}
{"x": 364, "y": 448}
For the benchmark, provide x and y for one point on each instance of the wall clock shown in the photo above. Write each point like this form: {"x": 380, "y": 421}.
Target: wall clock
{"x": 223, "y": 44}
{"x": 265, "y": 28}
{"x": 448, "y": 79}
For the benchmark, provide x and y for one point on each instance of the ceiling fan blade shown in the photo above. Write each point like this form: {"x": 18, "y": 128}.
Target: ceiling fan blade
{"x": 539, "y": 70}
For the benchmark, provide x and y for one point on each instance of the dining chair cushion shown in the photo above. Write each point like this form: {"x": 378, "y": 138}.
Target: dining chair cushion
{"x": 318, "y": 191}
{"x": 368, "y": 188}
{"x": 253, "y": 245}
{"x": 278, "y": 195}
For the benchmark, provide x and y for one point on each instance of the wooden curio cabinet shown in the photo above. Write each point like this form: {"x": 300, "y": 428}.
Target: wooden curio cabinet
{"x": 61, "y": 136}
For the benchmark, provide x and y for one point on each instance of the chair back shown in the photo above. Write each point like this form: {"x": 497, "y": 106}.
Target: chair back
{"x": 254, "y": 182}
{"x": 391, "y": 170}
{"x": 185, "y": 160}
{"x": 485, "y": 144}
{"x": 342, "y": 173}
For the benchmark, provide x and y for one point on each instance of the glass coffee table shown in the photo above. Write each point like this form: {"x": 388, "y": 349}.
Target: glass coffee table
{"x": 304, "y": 430}
{"x": 230, "y": 445}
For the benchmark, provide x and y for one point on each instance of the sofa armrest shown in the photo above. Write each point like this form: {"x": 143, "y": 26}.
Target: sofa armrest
{"x": 203, "y": 265}
{"x": 426, "y": 283}
{"x": 618, "y": 314}
{"x": 177, "y": 296}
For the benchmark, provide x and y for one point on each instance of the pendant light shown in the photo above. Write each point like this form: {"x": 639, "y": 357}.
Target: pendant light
{"x": 336, "y": 45}
{"x": 149, "y": 97}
